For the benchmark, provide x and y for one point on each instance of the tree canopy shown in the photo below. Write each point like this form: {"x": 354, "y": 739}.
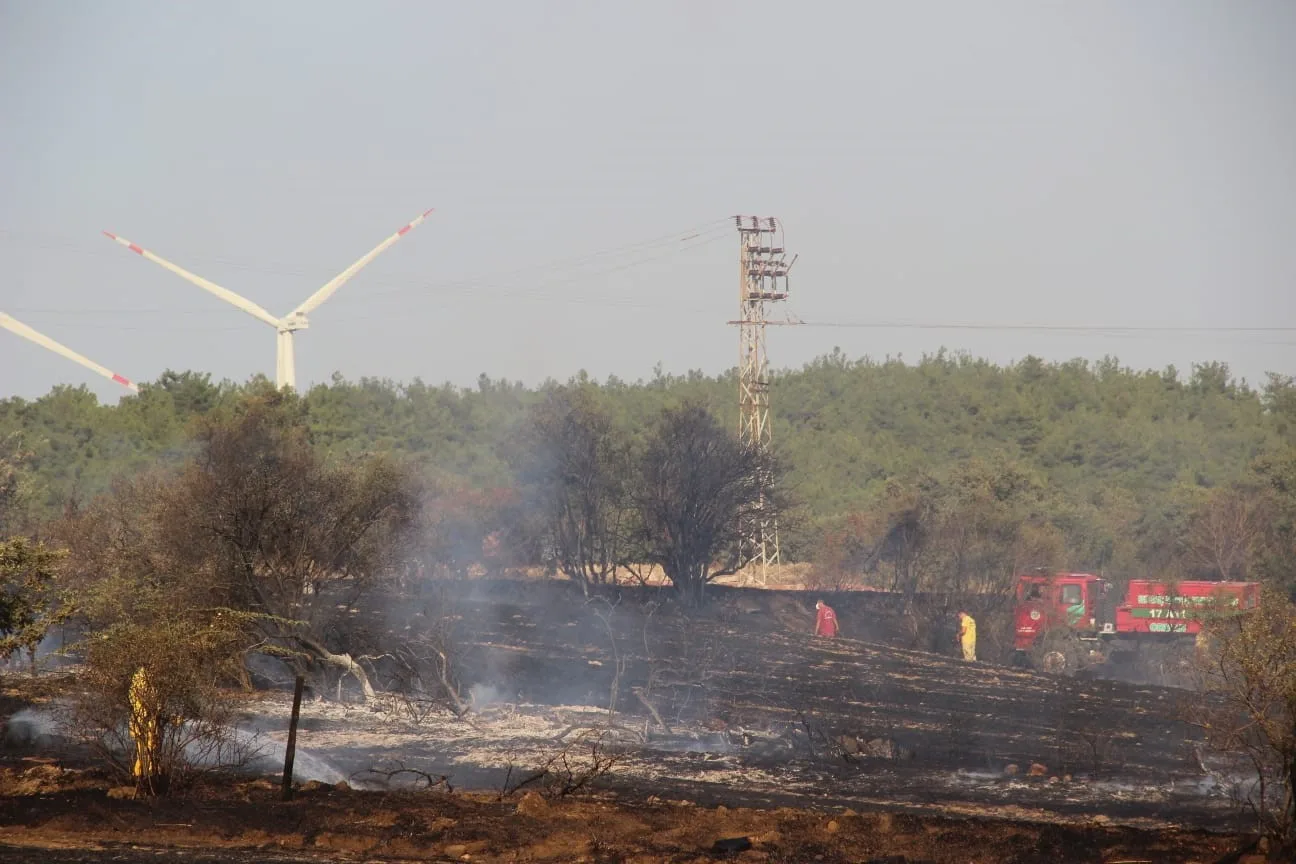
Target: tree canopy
{"x": 1107, "y": 466}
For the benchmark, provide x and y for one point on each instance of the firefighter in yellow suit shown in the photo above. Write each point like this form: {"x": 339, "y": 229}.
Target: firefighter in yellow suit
{"x": 967, "y": 636}
{"x": 144, "y": 724}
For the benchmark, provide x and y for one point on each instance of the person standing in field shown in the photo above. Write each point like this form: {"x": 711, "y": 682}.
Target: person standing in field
{"x": 825, "y": 620}
{"x": 967, "y": 636}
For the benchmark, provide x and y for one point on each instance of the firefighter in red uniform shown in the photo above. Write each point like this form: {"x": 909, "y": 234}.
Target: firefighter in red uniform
{"x": 825, "y": 620}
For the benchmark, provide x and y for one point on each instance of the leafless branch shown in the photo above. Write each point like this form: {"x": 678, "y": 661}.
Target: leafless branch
{"x": 426, "y": 780}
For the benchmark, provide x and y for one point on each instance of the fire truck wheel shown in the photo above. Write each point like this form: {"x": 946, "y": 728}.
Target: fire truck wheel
{"x": 1057, "y": 653}
{"x": 1054, "y": 662}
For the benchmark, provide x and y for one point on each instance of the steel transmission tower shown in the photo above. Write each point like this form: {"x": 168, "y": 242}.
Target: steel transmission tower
{"x": 763, "y": 279}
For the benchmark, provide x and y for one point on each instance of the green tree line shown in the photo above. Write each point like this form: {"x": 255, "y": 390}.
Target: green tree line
{"x": 1091, "y": 464}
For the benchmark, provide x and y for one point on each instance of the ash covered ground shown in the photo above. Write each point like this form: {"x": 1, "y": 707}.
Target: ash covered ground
{"x": 739, "y": 705}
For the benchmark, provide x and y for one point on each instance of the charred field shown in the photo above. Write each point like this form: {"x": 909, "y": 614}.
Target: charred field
{"x": 683, "y": 727}
{"x": 738, "y": 703}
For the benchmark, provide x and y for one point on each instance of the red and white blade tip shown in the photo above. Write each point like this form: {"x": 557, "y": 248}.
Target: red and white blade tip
{"x": 123, "y": 241}
{"x": 421, "y": 217}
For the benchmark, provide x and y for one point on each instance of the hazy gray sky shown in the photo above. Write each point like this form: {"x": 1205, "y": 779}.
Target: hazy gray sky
{"x": 1083, "y": 163}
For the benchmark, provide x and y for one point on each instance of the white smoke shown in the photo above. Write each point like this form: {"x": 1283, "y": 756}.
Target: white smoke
{"x": 33, "y": 727}
{"x": 484, "y": 695}
{"x": 40, "y": 727}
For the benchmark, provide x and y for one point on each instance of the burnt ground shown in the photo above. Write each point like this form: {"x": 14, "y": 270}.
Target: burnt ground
{"x": 763, "y": 731}
{"x": 71, "y": 821}
{"x": 787, "y": 707}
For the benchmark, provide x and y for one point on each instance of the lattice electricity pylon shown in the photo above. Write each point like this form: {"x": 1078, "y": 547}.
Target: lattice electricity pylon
{"x": 763, "y": 278}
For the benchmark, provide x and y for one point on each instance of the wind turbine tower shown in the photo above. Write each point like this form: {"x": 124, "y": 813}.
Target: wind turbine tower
{"x": 285, "y": 327}
{"x": 13, "y": 325}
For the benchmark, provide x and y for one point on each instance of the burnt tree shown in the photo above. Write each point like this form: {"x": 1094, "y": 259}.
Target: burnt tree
{"x": 576, "y": 470}
{"x": 254, "y": 521}
{"x": 697, "y": 486}
{"x": 284, "y": 533}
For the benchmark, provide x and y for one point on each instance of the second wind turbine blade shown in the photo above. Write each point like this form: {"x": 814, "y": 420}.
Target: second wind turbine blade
{"x": 13, "y": 325}
{"x": 224, "y": 293}
{"x": 313, "y": 302}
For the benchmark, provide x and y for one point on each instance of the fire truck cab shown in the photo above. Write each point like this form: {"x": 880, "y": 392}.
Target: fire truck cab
{"x": 1062, "y": 600}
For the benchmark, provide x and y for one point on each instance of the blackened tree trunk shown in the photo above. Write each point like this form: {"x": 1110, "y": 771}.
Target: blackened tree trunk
{"x": 698, "y": 487}
{"x": 575, "y": 471}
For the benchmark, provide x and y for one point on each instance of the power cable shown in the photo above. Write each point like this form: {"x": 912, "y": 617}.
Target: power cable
{"x": 1076, "y": 328}
{"x": 566, "y": 272}
{"x": 558, "y": 280}
{"x": 397, "y": 281}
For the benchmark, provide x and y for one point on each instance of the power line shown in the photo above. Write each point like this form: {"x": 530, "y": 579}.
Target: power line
{"x": 1107, "y": 329}
{"x": 537, "y": 291}
{"x": 1074, "y": 328}
{"x": 397, "y": 282}
{"x": 1237, "y": 333}
{"x": 558, "y": 277}
{"x": 566, "y": 272}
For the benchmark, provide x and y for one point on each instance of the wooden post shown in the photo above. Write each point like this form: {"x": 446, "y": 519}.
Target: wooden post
{"x": 291, "y": 750}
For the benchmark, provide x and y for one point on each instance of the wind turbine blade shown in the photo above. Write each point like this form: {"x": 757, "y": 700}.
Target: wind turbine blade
{"x": 15, "y": 326}
{"x": 339, "y": 280}
{"x": 224, "y": 293}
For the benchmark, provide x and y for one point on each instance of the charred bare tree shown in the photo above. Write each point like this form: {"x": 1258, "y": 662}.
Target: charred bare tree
{"x": 572, "y": 768}
{"x": 396, "y": 774}
{"x": 698, "y": 486}
{"x": 288, "y": 535}
{"x": 904, "y": 533}
{"x": 618, "y": 661}
{"x": 577, "y": 471}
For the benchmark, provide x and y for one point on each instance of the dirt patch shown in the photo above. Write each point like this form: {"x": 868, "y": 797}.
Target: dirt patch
{"x": 236, "y": 820}
{"x": 35, "y": 776}
{"x": 37, "y": 780}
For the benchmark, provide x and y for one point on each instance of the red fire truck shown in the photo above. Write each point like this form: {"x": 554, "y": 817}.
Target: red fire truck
{"x": 1066, "y": 621}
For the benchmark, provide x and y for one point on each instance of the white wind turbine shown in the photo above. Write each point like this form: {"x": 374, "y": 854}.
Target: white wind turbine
{"x": 285, "y": 368}
{"x": 13, "y": 325}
